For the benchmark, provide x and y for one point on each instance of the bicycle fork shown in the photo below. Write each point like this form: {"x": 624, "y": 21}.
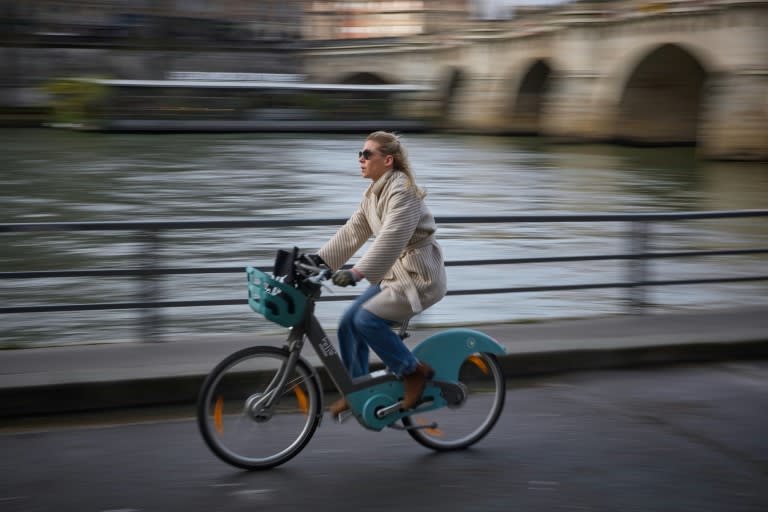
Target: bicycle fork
{"x": 260, "y": 406}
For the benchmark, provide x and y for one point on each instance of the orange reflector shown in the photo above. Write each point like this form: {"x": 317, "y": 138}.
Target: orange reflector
{"x": 217, "y": 415}
{"x": 301, "y": 397}
{"x": 431, "y": 431}
{"x": 477, "y": 361}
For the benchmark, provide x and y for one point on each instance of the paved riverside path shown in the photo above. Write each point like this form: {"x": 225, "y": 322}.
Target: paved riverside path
{"x": 93, "y": 377}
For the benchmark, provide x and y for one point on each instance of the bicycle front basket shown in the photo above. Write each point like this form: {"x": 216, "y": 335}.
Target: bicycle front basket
{"x": 278, "y": 302}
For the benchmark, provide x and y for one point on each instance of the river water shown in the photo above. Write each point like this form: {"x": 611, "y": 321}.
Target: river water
{"x": 57, "y": 175}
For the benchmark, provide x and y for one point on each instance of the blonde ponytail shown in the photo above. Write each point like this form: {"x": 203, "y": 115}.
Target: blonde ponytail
{"x": 389, "y": 144}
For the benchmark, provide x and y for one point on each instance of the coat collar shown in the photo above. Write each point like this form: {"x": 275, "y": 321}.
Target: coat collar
{"x": 377, "y": 186}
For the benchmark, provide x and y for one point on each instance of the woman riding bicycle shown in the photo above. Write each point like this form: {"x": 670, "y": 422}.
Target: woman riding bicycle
{"x": 404, "y": 266}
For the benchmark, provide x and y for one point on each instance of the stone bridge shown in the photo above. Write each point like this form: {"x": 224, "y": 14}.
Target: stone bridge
{"x": 693, "y": 72}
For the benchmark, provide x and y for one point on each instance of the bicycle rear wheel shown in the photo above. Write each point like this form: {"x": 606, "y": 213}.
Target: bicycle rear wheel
{"x": 455, "y": 428}
{"x": 232, "y": 416}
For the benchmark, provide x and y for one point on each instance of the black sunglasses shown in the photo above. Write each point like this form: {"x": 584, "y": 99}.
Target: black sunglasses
{"x": 366, "y": 153}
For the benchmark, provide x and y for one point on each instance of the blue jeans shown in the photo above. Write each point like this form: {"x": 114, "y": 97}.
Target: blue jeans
{"x": 360, "y": 329}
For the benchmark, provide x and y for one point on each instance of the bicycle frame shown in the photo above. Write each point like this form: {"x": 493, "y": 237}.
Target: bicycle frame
{"x": 374, "y": 399}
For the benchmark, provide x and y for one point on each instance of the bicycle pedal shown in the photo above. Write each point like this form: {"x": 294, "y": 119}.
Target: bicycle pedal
{"x": 343, "y": 416}
{"x": 428, "y": 426}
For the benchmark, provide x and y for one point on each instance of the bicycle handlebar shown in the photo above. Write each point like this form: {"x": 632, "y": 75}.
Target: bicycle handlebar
{"x": 318, "y": 273}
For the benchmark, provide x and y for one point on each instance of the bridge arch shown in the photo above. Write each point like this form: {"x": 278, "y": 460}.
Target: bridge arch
{"x": 450, "y": 83}
{"x": 661, "y": 98}
{"x": 530, "y": 88}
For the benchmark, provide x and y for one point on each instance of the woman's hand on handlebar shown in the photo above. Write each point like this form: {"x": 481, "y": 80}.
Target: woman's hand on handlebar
{"x": 346, "y": 277}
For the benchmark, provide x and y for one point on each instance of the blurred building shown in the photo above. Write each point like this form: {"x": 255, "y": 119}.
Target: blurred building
{"x": 348, "y": 19}
{"x": 241, "y": 20}
{"x": 224, "y": 20}
{"x": 232, "y": 21}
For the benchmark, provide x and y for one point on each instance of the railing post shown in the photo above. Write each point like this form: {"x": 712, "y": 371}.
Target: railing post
{"x": 150, "y": 286}
{"x": 637, "y": 267}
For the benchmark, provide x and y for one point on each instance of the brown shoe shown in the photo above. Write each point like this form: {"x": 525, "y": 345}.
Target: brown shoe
{"x": 414, "y": 384}
{"x": 339, "y": 406}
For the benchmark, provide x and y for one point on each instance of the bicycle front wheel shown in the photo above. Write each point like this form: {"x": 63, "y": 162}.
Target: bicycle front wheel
{"x": 244, "y": 420}
{"x": 454, "y": 428}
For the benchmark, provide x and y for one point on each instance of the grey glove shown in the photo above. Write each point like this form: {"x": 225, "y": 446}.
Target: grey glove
{"x": 344, "y": 278}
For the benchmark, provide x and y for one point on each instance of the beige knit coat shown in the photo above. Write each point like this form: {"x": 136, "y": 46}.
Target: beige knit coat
{"x": 404, "y": 259}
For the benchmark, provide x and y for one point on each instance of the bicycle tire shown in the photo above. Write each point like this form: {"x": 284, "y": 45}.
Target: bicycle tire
{"x": 456, "y": 428}
{"x": 242, "y": 433}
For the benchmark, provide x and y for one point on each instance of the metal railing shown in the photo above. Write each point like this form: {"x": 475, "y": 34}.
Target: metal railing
{"x": 150, "y": 272}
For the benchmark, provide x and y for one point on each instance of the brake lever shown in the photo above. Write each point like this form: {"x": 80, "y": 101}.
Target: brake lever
{"x": 321, "y": 278}
{"x": 321, "y": 273}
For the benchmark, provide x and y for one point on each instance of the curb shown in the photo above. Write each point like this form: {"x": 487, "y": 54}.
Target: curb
{"x": 182, "y": 390}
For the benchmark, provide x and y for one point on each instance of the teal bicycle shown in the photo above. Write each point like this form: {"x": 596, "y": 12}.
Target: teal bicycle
{"x": 260, "y": 406}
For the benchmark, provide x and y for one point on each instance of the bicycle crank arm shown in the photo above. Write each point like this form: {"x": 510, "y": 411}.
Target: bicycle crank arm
{"x": 397, "y": 407}
{"x": 454, "y": 394}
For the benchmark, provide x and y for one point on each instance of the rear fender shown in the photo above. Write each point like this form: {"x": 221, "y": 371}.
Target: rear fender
{"x": 447, "y": 350}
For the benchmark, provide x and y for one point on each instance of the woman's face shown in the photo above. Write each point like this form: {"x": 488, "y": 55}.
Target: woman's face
{"x": 373, "y": 164}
